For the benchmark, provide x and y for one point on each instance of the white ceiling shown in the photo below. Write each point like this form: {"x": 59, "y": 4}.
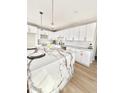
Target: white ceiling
{"x": 66, "y": 12}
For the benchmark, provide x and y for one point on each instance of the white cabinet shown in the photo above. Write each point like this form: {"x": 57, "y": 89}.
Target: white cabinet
{"x": 70, "y": 34}
{"x": 67, "y": 35}
{"x": 82, "y": 32}
{"x": 86, "y": 57}
{"x": 90, "y": 31}
{"x": 77, "y": 55}
{"x": 64, "y": 35}
{"x": 50, "y": 35}
{"x": 82, "y": 56}
{"x": 53, "y": 36}
{"x": 79, "y": 33}
{"x": 75, "y": 34}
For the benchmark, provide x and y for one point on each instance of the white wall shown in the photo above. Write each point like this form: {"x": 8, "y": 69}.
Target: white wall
{"x": 31, "y": 40}
{"x": 33, "y": 34}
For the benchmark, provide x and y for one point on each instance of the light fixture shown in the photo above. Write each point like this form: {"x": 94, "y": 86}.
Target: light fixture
{"x": 41, "y": 28}
{"x": 41, "y": 20}
{"x": 52, "y": 23}
{"x": 52, "y": 26}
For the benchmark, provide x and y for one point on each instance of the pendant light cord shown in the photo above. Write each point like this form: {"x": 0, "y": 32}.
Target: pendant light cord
{"x": 52, "y": 12}
{"x": 41, "y": 19}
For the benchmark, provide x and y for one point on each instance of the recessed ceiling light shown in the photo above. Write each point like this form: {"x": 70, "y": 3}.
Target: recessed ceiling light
{"x": 75, "y": 11}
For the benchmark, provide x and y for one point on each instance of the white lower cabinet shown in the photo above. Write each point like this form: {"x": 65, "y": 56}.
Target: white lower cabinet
{"x": 83, "y": 56}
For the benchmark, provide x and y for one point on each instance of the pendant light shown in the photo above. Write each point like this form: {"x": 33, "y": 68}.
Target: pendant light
{"x": 41, "y": 28}
{"x": 52, "y": 23}
{"x": 41, "y": 13}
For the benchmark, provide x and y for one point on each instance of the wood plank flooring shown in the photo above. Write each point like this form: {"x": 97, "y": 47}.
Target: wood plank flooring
{"x": 84, "y": 80}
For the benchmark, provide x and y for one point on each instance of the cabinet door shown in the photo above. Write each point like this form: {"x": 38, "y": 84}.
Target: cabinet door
{"x": 63, "y": 34}
{"x": 82, "y": 32}
{"x": 52, "y": 36}
{"x": 77, "y": 55}
{"x": 85, "y": 58}
{"x": 91, "y": 31}
{"x": 70, "y": 34}
{"x": 66, "y": 34}
{"x": 76, "y": 34}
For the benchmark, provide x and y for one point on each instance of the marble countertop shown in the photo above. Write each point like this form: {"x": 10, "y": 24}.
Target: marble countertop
{"x": 49, "y": 58}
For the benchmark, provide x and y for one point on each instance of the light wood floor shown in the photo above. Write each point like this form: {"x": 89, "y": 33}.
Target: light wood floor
{"x": 84, "y": 80}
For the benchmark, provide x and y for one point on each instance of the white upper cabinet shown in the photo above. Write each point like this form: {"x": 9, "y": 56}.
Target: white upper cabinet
{"x": 50, "y": 35}
{"x": 82, "y": 30}
{"x": 76, "y": 34}
{"x": 65, "y": 32}
{"x": 70, "y": 34}
{"x": 57, "y": 34}
{"x": 79, "y": 33}
{"x": 91, "y": 30}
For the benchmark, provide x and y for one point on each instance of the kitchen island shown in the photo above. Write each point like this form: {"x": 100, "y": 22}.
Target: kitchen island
{"x": 83, "y": 55}
{"x": 52, "y": 72}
